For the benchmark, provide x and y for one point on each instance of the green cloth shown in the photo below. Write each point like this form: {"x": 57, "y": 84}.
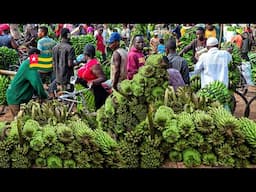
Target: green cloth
{"x": 25, "y": 83}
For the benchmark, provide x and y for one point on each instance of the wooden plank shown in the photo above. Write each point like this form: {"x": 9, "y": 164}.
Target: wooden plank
{"x": 7, "y": 72}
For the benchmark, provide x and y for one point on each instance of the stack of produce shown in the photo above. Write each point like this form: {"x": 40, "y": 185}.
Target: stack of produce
{"x": 195, "y": 83}
{"x": 211, "y": 137}
{"x": 8, "y": 57}
{"x": 51, "y": 112}
{"x": 126, "y": 115}
{"x": 216, "y": 91}
{"x": 78, "y": 42}
{"x": 4, "y": 83}
{"x": 71, "y": 145}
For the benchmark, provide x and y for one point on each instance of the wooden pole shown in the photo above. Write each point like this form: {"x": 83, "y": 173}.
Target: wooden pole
{"x": 6, "y": 72}
{"x": 220, "y": 37}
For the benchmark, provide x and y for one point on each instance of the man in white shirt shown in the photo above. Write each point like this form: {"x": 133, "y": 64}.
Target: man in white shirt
{"x": 213, "y": 65}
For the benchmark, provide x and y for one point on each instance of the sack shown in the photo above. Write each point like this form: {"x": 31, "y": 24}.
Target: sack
{"x": 246, "y": 71}
{"x": 175, "y": 78}
{"x": 247, "y": 42}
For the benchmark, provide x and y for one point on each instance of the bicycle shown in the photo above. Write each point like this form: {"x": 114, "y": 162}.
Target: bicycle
{"x": 71, "y": 98}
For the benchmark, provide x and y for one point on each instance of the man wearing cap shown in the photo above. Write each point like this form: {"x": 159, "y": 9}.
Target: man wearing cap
{"x": 118, "y": 60}
{"x": 6, "y": 38}
{"x": 213, "y": 65}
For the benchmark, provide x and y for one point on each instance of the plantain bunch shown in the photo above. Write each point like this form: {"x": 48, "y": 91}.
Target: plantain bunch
{"x": 204, "y": 122}
{"x": 175, "y": 156}
{"x": 130, "y": 153}
{"x": 185, "y": 124}
{"x": 30, "y": 128}
{"x": 191, "y": 157}
{"x": 216, "y": 91}
{"x": 248, "y": 128}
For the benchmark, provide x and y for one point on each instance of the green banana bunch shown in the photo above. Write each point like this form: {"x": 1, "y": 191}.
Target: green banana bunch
{"x": 248, "y": 128}
{"x": 104, "y": 140}
{"x": 78, "y": 42}
{"x": 195, "y": 83}
{"x": 4, "y": 83}
{"x": 216, "y": 91}
{"x": 8, "y": 57}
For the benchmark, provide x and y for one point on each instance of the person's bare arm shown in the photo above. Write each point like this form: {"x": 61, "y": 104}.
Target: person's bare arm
{"x": 116, "y": 63}
{"x": 187, "y": 48}
{"x": 97, "y": 71}
{"x": 13, "y": 43}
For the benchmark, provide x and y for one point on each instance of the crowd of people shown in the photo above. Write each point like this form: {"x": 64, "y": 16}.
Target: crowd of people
{"x": 212, "y": 64}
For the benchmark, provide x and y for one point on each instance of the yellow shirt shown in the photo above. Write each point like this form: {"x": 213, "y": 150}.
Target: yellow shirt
{"x": 210, "y": 33}
{"x": 182, "y": 31}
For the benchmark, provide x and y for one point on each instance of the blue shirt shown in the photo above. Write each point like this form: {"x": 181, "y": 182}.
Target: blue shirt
{"x": 161, "y": 48}
{"x": 45, "y": 45}
{"x": 5, "y": 40}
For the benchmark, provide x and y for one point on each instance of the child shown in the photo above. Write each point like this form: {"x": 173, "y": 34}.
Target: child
{"x": 161, "y": 46}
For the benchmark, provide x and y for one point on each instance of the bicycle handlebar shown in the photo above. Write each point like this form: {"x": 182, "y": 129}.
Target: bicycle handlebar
{"x": 67, "y": 94}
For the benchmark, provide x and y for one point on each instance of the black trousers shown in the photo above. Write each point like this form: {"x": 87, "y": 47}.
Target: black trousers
{"x": 100, "y": 95}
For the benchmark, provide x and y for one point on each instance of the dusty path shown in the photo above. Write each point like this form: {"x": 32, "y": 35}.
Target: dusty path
{"x": 240, "y": 104}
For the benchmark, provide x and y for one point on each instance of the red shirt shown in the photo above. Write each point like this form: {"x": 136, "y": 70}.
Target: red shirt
{"x": 238, "y": 40}
{"x": 100, "y": 44}
{"x": 85, "y": 72}
{"x": 58, "y": 29}
{"x": 136, "y": 59}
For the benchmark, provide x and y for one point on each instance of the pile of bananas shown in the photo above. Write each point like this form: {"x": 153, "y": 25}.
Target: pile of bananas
{"x": 4, "y": 83}
{"x": 78, "y": 42}
{"x": 216, "y": 91}
{"x": 52, "y": 112}
{"x": 8, "y": 57}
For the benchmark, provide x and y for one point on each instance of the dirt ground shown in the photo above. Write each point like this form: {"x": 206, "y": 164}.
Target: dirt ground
{"x": 240, "y": 104}
{"x": 7, "y": 116}
{"x": 181, "y": 165}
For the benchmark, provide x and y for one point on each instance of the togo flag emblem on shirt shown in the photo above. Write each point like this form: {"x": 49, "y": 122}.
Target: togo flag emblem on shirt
{"x": 40, "y": 62}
